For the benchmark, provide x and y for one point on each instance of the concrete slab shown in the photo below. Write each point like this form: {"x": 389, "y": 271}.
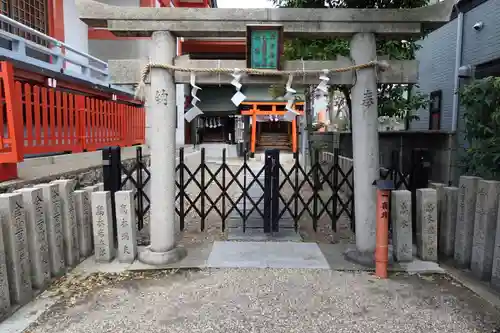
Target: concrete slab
{"x": 334, "y": 255}
{"x": 418, "y": 267}
{"x": 196, "y": 258}
{"x": 480, "y": 288}
{"x": 28, "y": 314}
{"x": 258, "y": 235}
{"x": 266, "y": 255}
{"x": 89, "y": 266}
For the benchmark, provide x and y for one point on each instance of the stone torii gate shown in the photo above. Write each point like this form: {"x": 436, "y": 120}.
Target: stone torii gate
{"x": 362, "y": 26}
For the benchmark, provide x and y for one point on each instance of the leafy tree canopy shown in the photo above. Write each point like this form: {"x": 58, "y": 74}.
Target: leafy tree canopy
{"x": 481, "y": 101}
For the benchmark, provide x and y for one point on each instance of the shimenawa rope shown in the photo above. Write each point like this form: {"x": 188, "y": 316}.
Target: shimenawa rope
{"x": 139, "y": 93}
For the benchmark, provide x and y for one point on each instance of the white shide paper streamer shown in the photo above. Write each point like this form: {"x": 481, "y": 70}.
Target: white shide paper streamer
{"x": 195, "y": 110}
{"x": 290, "y": 97}
{"x": 238, "y": 97}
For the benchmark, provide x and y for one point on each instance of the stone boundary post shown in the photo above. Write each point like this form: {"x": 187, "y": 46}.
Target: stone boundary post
{"x": 53, "y": 219}
{"x": 102, "y": 220}
{"x": 4, "y": 283}
{"x": 36, "y": 230}
{"x": 70, "y": 227}
{"x": 466, "y": 211}
{"x": 16, "y": 247}
{"x": 426, "y": 224}
{"x": 447, "y": 221}
{"x": 126, "y": 225}
{"x": 83, "y": 211}
{"x": 402, "y": 227}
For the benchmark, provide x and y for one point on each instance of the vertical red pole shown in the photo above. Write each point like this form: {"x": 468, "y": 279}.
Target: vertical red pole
{"x": 82, "y": 123}
{"x": 13, "y": 108}
{"x": 382, "y": 234}
{"x": 15, "y": 125}
{"x": 254, "y": 132}
{"x": 8, "y": 171}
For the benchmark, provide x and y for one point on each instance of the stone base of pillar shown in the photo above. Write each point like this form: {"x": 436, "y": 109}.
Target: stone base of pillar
{"x": 366, "y": 259}
{"x": 162, "y": 258}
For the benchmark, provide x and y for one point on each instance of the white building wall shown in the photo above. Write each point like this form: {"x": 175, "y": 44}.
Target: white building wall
{"x": 75, "y": 35}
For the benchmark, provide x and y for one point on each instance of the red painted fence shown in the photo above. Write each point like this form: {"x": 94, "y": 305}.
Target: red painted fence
{"x": 40, "y": 120}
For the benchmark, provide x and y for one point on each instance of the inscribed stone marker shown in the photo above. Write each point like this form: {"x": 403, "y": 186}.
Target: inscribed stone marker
{"x": 90, "y": 190}
{"x": 485, "y": 222}
{"x": 102, "y": 220}
{"x": 426, "y": 201}
{"x": 440, "y": 203}
{"x": 466, "y": 210}
{"x": 70, "y": 226}
{"x": 36, "y": 231}
{"x": 52, "y": 203}
{"x": 16, "y": 247}
{"x": 126, "y": 224}
{"x": 4, "y": 284}
{"x": 448, "y": 221}
{"x": 402, "y": 226}
{"x": 439, "y": 187}
{"x": 495, "y": 274}
{"x": 84, "y": 220}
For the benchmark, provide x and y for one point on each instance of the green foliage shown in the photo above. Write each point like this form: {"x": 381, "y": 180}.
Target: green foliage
{"x": 481, "y": 100}
{"x": 393, "y": 101}
{"x": 391, "y": 98}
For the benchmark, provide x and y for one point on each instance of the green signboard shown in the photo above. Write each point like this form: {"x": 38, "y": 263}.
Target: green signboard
{"x": 264, "y": 46}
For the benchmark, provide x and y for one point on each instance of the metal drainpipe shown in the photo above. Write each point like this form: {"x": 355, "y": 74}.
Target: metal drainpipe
{"x": 456, "y": 106}
{"x": 458, "y": 63}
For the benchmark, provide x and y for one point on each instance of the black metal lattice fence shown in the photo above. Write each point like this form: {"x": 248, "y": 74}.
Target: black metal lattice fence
{"x": 131, "y": 175}
{"x": 243, "y": 194}
{"x": 271, "y": 193}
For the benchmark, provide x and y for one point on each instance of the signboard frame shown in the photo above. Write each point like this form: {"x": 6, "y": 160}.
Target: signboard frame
{"x": 279, "y": 46}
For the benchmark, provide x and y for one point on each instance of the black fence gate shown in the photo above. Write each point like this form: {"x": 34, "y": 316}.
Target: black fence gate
{"x": 242, "y": 194}
{"x": 132, "y": 175}
{"x": 270, "y": 197}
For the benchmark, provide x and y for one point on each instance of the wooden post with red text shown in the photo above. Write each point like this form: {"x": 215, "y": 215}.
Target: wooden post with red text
{"x": 384, "y": 188}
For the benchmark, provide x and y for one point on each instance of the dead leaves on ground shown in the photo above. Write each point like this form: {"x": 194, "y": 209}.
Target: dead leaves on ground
{"x": 73, "y": 287}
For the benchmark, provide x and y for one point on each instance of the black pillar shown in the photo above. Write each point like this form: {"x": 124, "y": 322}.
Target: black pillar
{"x": 271, "y": 190}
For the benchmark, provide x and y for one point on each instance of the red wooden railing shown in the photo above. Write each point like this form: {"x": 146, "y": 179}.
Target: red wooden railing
{"x": 40, "y": 120}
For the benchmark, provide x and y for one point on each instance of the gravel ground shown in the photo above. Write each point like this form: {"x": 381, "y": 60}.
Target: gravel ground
{"x": 274, "y": 301}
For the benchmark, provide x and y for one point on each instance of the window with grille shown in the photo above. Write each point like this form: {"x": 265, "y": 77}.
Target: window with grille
{"x": 33, "y": 13}
{"x": 435, "y": 110}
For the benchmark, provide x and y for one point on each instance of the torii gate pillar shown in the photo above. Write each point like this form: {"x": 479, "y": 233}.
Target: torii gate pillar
{"x": 162, "y": 98}
{"x": 365, "y": 147}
